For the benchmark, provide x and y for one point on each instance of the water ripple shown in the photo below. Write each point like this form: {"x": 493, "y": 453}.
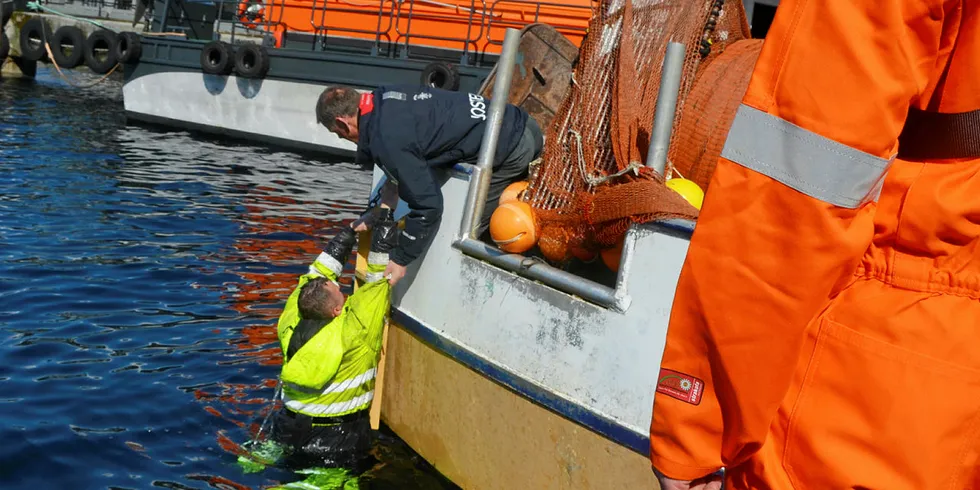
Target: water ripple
{"x": 141, "y": 273}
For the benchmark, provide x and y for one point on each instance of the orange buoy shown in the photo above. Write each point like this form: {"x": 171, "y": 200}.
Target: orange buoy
{"x": 583, "y": 254}
{"x": 553, "y": 243}
{"x": 513, "y": 228}
{"x": 611, "y": 256}
{"x": 513, "y": 192}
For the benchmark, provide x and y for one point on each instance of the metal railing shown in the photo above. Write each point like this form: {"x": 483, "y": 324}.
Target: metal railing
{"x": 496, "y": 13}
{"x": 466, "y": 42}
{"x": 321, "y": 29}
{"x": 617, "y": 297}
{"x": 118, "y": 10}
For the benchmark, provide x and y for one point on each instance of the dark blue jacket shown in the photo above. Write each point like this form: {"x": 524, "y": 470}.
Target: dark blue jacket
{"x": 409, "y": 130}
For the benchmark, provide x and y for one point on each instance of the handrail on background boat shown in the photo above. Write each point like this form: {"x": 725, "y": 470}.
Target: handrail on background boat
{"x": 408, "y": 35}
{"x": 468, "y": 243}
{"x": 323, "y": 28}
{"x": 497, "y": 18}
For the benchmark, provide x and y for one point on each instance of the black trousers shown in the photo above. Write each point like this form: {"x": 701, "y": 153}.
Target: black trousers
{"x": 512, "y": 169}
{"x": 324, "y": 441}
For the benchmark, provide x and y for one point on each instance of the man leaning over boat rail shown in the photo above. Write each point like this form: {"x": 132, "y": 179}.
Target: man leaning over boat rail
{"x": 824, "y": 332}
{"x": 409, "y": 131}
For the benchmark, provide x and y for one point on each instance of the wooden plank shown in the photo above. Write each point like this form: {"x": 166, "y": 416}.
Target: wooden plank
{"x": 360, "y": 273}
{"x": 379, "y": 383}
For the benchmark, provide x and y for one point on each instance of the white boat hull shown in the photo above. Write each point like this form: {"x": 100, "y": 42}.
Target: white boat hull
{"x": 269, "y": 110}
{"x": 579, "y": 378}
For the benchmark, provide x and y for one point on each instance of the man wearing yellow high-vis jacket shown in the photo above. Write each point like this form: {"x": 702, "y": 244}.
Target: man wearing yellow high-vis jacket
{"x": 331, "y": 347}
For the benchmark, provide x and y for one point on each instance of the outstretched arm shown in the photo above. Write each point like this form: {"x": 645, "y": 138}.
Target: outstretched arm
{"x": 370, "y": 303}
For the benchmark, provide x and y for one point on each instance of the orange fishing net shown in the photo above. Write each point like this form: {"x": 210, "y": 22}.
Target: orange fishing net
{"x": 709, "y": 112}
{"x": 591, "y": 183}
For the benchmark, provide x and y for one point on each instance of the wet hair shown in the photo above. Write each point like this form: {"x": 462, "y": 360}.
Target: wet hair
{"x": 314, "y": 302}
{"x": 334, "y": 102}
{"x": 315, "y": 306}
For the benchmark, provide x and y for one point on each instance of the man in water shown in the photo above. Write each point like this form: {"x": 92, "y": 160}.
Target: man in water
{"x": 408, "y": 131}
{"x": 331, "y": 348}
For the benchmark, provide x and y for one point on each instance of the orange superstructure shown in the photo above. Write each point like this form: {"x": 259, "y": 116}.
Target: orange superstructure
{"x": 465, "y": 25}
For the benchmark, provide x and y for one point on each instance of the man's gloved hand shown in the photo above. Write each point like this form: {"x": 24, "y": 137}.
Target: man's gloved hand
{"x": 385, "y": 201}
{"x": 384, "y": 237}
{"x": 367, "y": 220}
{"x": 341, "y": 245}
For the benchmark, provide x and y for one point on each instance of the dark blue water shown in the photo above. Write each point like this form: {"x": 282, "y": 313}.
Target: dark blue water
{"x": 141, "y": 275}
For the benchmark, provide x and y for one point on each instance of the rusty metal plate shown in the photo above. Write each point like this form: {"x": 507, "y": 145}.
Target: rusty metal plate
{"x": 542, "y": 75}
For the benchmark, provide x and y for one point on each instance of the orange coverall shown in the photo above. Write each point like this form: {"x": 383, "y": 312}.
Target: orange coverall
{"x": 825, "y": 332}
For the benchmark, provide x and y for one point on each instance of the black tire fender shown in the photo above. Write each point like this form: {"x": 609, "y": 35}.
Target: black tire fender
{"x": 251, "y": 61}
{"x": 129, "y": 48}
{"x": 99, "y": 43}
{"x": 439, "y": 74}
{"x": 217, "y": 58}
{"x": 35, "y": 30}
{"x": 4, "y": 46}
{"x": 68, "y": 35}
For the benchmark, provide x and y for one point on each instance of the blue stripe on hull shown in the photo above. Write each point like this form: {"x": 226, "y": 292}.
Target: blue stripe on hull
{"x": 567, "y": 409}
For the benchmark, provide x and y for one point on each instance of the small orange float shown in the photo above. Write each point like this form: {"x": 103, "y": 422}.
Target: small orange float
{"x": 513, "y": 228}
{"x": 513, "y": 192}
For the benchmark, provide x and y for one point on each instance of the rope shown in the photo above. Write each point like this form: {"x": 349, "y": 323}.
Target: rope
{"x": 671, "y": 170}
{"x": 47, "y": 47}
{"x": 163, "y": 34}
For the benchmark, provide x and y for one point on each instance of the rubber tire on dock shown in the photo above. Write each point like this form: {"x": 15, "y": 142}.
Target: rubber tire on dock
{"x": 128, "y": 47}
{"x": 4, "y": 46}
{"x": 105, "y": 40}
{"x": 217, "y": 58}
{"x": 251, "y": 61}
{"x": 442, "y": 75}
{"x": 35, "y": 27}
{"x": 68, "y": 35}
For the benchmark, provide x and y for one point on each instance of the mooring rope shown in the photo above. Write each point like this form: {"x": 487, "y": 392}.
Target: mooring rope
{"x": 47, "y": 46}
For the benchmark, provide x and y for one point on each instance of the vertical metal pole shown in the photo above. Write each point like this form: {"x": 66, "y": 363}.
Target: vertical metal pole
{"x": 163, "y": 18}
{"x": 663, "y": 117}
{"x": 480, "y": 179}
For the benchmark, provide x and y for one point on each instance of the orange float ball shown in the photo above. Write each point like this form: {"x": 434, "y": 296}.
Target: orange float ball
{"x": 611, "y": 256}
{"x": 583, "y": 254}
{"x": 513, "y": 192}
{"x": 513, "y": 228}
{"x": 553, "y": 243}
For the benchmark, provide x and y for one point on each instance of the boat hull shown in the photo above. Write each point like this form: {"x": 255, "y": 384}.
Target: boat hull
{"x": 480, "y": 434}
{"x": 275, "y": 112}
{"x": 168, "y": 87}
{"x": 497, "y": 379}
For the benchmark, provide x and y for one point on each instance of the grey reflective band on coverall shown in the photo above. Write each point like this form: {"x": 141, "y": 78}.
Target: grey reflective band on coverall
{"x": 803, "y": 160}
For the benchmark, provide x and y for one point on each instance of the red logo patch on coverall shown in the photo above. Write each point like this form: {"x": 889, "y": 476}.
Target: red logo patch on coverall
{"x": 680, "y": 386}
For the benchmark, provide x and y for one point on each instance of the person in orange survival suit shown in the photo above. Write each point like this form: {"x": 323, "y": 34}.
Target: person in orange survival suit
{"x": 825, "y": 328}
